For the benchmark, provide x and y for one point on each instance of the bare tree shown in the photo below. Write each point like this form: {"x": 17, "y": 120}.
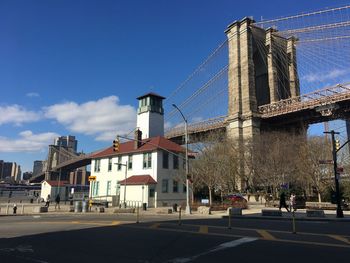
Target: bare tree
{"x": 317, "y": 176}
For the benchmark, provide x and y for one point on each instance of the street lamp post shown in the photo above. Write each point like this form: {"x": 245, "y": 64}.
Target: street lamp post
{"x": 188, "y": 208}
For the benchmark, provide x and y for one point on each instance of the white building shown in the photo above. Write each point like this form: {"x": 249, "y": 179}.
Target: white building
{"x": 53, "y": 188}
{"x": 146, "y": 170}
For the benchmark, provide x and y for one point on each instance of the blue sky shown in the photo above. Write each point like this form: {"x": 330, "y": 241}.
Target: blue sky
{"x": 76, "y": 67}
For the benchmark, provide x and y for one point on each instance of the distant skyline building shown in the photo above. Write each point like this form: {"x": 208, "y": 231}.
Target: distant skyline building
{"x": 27, "y": 175}
{"x": 10, "y": 171}
{"x": 67, "y": 141}
{"x": 39, "y": 167}
{"x": 1, "y": 169}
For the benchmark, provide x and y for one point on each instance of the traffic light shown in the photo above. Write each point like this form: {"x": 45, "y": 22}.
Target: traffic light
{"x": 337, "y": 144}
{"x": 116, "y": 145}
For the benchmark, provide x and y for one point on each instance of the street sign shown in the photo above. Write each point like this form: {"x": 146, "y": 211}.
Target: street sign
{"x": 92, "y": 178}
{"x": 325, "y": 161}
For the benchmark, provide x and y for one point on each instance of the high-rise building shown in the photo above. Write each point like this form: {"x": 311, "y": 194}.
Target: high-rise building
{"x": 67, "y": 141}
{"x": 39, "y": 167}
{"x": 11, "y": 171}
{"x": 27, "y": 175}
{"x": 1, "y": 169}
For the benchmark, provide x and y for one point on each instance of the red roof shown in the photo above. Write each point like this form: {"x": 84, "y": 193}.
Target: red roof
{"x": 138, "y": 180}
{"x": 147, "y": 145}
{"x": 56, "y": 183}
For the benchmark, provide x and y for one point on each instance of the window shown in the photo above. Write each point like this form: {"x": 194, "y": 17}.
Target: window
{"x": 97, "y": 165}
{"x": 119, "y": 163}
{"x": 109, "y": 164}
{"x": 151, "y": 192}
{"x": 165, "y": 160}
{"x": 175, "y": 186}
{"x": 164, "y": 185}
{"x": 108, "y": 192}
{"x": 130, "y": 162}
{"x": 147, "y": 160}
{"x": 96, "y": 188}
{"x": 175, "y": 162}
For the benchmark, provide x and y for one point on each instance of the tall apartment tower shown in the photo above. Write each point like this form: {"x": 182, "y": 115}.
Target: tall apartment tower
{"x": 67, "y": 141}
{"x": 150, "y": 115}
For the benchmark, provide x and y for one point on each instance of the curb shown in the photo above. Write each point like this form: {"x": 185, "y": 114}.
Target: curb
{"x": 290, "y": 218}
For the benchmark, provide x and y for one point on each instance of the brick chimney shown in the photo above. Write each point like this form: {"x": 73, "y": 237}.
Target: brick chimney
{"x": 138, "y": 138}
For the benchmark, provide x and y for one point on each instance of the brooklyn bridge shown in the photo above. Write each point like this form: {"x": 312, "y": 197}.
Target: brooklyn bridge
{"x": 276, "y": 74}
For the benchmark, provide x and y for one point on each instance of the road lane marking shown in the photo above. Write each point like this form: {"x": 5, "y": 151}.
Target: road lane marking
{"x": 203, "y": 229}
{"x": 154, "y": 226}
{"x": 312, "y": 243}
{"x": 222, "y": 246}
{"x": 340, "y": 238}
{"x": 265, "y": 234}
{"x": 256, "y": 229}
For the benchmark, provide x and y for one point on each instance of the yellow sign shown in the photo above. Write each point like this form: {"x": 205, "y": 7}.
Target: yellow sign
{"x": 92, "y": 178}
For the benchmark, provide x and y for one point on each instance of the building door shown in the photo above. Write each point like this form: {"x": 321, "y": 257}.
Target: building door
{"x": 151, "y": 196}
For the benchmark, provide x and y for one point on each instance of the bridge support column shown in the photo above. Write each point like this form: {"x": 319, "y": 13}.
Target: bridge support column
{"x": 292, "y": 66}
{"x": 271, "y": 66}
{"x": 242, "y": 120}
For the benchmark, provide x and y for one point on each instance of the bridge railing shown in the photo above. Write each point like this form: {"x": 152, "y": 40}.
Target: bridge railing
{"x": 325, "y": 96}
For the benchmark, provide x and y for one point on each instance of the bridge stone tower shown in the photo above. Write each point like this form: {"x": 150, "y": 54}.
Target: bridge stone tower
{"x": 262, "y": 70}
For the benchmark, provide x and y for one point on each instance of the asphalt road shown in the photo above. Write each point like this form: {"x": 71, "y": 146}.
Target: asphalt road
{"x": 117, "y": 238}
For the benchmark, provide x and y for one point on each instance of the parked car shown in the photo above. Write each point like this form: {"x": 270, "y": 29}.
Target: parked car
{"x": 236, "y": 200}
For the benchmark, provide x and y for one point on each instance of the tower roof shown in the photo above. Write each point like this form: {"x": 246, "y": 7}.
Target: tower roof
{"x": 150, "y": 94}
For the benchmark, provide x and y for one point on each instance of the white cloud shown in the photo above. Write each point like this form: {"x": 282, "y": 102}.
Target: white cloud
{"x": 32, "y": 94}
{"x": 320, "y": 77}
{"x": 17, "y": 114}
{"x": 104, "y": 118}
{"x": 28, "y": 142}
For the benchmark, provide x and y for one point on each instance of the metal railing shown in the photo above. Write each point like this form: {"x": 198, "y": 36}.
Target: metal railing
{"x": 322, "y": 97}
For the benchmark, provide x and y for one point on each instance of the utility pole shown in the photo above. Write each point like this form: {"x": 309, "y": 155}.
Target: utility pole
{"x": 337, "y": 191}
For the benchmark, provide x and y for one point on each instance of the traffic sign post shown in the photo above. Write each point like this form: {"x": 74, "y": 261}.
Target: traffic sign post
{"x": 92, "y": 178}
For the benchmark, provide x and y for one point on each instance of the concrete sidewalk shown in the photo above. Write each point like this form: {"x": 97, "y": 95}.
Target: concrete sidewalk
{"x": 253, "y": 212}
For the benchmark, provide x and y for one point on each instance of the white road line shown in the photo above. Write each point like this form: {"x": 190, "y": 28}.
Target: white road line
{"x": 222, "y": 246}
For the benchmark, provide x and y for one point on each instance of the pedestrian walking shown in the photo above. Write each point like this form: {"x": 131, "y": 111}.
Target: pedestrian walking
{"x": 283, "y": 201}
{"x": 14, "y": 209}
{"x": 292, "y": 202}
{"x": 57, "y": 200}
{"x": 48, "y": 200}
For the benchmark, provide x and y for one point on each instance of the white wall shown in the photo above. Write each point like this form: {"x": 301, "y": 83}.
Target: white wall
{"x": 45, "y": 190}
{"x": 151, "y": 124}
{"x": 134, "y": 193}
